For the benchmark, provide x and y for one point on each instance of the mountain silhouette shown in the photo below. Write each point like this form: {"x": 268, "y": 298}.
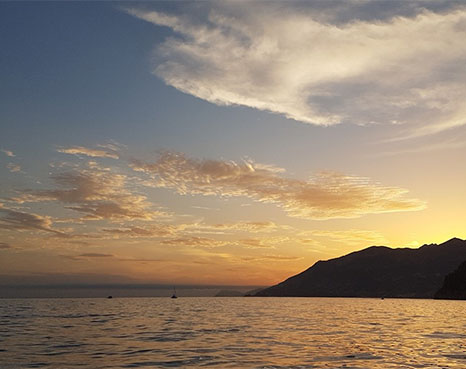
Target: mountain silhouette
{"x": 454, "y": 285}
{"x": 377, "y": 271}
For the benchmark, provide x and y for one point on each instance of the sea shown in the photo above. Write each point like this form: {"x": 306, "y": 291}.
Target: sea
{"x": 230, "y": 332}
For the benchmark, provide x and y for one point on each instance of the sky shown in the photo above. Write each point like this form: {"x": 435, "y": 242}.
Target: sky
{"x": 226, "y": 142}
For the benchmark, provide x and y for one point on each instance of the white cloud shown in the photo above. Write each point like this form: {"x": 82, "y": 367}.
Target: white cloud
{"x": 310, "y": 66}
{"x": 8, "y": 153}
{"x": 107, "y": 151}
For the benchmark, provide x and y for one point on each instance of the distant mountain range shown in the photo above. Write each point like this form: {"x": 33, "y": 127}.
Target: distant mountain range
{"x": 378, "y": 271}
{"x": 229, "y": 293}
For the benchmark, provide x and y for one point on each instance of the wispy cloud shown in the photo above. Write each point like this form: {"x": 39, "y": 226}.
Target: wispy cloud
{"x": 326, "y": 195}
{"x": 8, "y": 153}
{"x": 97, "y": 193}
{"x": 450, "y": 144}
{"x": 254, "y": 243}
{"x": 4, "y": 246}
{"x": 233, "y": 227}
{"x": 271, "y": 257}
{"x": 318, "y": 66}
{"x": 195, "y": 242}
{"x": 14, "y": 168}
{"x": 95, "y": 255}
{"x": 188, "y": 232}
{"x": 261, "y": 243}
{"x": 157, "y": 230}
{"x": 18, "y": 220}
{"x": 351, "y": 237}
{"x": 104, "y": 152}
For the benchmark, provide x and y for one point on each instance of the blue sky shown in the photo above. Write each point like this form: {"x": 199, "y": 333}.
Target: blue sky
{"x": 226, "y": 137}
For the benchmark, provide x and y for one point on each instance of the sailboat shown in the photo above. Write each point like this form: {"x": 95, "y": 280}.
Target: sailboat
{"x": 174, "y": 294}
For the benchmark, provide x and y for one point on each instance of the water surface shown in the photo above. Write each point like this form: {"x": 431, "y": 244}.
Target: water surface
{"x": 232, "y": 333}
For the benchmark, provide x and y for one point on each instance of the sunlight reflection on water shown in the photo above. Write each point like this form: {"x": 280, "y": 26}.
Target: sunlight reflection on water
{"x": 232, "y": 332}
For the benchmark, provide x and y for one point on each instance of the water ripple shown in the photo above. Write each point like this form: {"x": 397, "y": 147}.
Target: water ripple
{"x": 256, "y": 333}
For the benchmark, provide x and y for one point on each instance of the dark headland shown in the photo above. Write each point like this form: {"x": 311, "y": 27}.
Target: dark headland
{"x": 454, "y": 286}
{"x": 380, "y": 271}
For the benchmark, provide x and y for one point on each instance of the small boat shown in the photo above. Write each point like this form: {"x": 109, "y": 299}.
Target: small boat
{"x": 174, "y": 294}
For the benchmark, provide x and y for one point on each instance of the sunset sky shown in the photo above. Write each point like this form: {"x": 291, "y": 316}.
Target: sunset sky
{"x": 225, "y": 142}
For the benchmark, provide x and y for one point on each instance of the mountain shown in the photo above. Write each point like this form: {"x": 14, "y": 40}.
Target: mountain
{"x": 377, "y": 271}
{"x": 454, "y": 285}
{"x": 253, "y": 292}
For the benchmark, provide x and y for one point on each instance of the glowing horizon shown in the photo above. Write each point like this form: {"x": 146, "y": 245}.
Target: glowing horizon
{"x": 211, "y": 144}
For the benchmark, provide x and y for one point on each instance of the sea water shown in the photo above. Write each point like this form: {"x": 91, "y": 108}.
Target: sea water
{"x": 232, "y": 333}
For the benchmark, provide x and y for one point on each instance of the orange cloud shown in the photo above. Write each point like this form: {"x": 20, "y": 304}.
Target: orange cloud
{"x": 17, "y": 220}
{"x": 324, "y": 196}
{"x": 158, "y": 230}
{"x": 251, "y": 227}
{"x": 352, "y": 236}
{"x": 226, "y": 228}
{"x": 271, "y": 257}
{"x": 97, "y": 193}
{"x": 192, "y": 241}
{"x": 255, "y": 243}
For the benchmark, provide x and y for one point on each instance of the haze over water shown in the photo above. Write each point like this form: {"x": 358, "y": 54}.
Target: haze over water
{"x": 232, "y": 332}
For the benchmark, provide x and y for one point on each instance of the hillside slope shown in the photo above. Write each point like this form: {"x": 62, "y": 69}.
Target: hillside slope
{"x": 454, "y": 286}
{"x": 377, "y": 271}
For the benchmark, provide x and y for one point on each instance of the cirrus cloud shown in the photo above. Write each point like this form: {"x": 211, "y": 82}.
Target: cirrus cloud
{"x": 97, "y": 193}
{"x": 8, "y": 153}
{"x": 156, "y": 230}
{"x": 18, "y": 220}
{"x": 195, "y": 242}
{"x": 13, "y": 168}
{"x": 95, "y": 153}
{"x": 324, "y": 196}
